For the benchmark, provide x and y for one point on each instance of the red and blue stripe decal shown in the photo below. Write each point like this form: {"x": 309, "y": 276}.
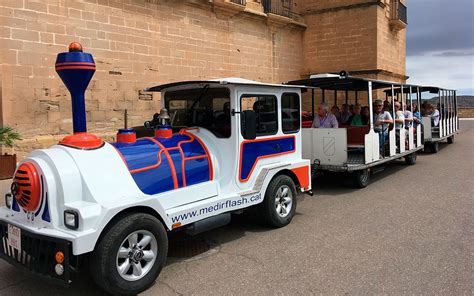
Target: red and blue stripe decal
{"x": 75, "y": 66}
{"x": 251, "y": 151}
{"x": 162, "y": 164}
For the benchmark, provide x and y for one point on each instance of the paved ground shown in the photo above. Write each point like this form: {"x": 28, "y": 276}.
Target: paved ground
{"x": 410, "y": 232}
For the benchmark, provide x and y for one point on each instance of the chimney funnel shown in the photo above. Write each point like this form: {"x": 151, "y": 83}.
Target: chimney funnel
{"x": 76, "y": 68}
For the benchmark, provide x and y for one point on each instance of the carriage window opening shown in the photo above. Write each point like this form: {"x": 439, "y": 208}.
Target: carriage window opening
{"x": 265, "y": 108}
{"x": 290, "y": 112}
{"x": 205, "y": 107}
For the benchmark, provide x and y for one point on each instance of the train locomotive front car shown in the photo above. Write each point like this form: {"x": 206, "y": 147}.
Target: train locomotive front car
{"x": 226, "y": 145}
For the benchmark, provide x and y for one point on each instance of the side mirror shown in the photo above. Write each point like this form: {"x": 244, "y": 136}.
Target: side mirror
{"x": 249, "y": 124}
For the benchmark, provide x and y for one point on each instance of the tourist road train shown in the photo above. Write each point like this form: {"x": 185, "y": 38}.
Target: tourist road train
{"x": 217, "y": 147}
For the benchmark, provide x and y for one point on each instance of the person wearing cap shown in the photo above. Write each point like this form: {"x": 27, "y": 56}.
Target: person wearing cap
{"x": 325, "y": 119}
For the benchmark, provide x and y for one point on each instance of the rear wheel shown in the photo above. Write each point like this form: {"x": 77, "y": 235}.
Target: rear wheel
{"x": 451, "y": 139}
{"x": 130, "y": 255}
{"x": 279, "y": 204}
{"x": 434, "y": 147}
{"x": 410, "y": 159}
{"x": 361, "y": 178}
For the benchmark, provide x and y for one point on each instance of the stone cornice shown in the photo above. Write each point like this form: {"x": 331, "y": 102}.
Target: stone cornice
{"x": 346, "y": 7}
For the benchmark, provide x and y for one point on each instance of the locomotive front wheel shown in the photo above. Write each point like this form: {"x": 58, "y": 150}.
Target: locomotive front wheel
{"x": 279, "y": 204}
{"x": 130, "y": 255}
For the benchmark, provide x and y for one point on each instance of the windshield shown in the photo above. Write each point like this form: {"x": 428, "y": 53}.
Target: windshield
{"x": 205, "y": 107}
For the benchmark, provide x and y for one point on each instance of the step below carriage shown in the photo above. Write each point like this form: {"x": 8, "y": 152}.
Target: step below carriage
{"x": 226, "y": 145}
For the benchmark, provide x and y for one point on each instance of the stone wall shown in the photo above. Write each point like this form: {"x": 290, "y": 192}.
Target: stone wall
{"x": 141, "y": 43}
{"x": 136, "y": 44}
{"x": 353, "y": 35}
{"x": 341, "y": 38}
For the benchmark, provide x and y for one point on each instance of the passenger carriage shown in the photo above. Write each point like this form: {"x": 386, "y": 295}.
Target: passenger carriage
{"x": 448, "y": 120}
{"x": 351, "y": 149}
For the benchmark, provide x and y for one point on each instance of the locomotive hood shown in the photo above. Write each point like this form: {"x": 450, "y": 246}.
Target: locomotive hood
{"x": 162, "y": 164}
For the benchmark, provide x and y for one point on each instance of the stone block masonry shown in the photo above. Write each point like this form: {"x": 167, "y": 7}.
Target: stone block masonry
{"x": 142, "y": 43}
{"x": 136, "y": 44}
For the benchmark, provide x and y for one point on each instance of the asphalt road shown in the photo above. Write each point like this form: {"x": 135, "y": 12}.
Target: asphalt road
{"x": 410, "y": 232}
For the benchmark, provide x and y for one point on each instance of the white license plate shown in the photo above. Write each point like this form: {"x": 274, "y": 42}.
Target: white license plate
{"x": 14, "y": 237}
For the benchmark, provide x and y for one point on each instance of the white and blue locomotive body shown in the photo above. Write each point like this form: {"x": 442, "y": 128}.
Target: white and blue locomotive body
{"x": 181, "y": 179}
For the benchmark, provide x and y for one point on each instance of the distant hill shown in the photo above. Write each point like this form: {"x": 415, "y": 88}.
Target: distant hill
{"x": 463, "y": 101}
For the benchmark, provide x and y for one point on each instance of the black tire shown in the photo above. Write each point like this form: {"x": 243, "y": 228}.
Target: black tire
{"x": 269, "y": 206}
{"x": 427, "y": 147}
{"x": 361, "y": 178}
{"x": 451, "y": 139}
{"x": 410, "y": 159}
{"x": 103, "y": 261}
{"x": 434, "y": 147}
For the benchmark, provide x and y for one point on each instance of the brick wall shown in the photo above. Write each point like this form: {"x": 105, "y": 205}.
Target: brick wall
{"x": 136, "y": 44}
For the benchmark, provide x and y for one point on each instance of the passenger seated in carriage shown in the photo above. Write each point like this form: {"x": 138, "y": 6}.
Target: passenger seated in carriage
{"x": 365, "y": 112}
{"x": 358, "y": 119}
{"x": 433, "y": 114}
{"x": 399, "y": 120}
{"x": 416, "y": 116}
{"x": 325, "y": 119}
{"x": 382, "y": 120}
{"x": 346, "y": 114}
{"x": 335, "y": 111}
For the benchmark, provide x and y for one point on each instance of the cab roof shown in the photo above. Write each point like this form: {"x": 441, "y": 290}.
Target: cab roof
{"x": 222, "y": 81}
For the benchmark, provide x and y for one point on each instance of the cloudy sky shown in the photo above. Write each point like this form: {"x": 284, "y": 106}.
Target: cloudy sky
{"x": 440, "y": 44}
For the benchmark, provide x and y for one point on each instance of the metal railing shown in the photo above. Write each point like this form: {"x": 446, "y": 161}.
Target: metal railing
{"x": 399, "y": 11}
{"x": 280, "y": 7}
{"x": 241, "y": 2}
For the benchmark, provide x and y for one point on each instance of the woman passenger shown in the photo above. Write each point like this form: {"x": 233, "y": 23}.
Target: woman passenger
{"x": 357, "y": 119}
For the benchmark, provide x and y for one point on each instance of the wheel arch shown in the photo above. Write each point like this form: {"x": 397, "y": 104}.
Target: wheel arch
{"x": 290, "y": 174}
{"x": 125, "y": 212}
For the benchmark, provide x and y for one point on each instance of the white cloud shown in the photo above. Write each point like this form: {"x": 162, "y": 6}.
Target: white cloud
{"x": 444, "y": 70}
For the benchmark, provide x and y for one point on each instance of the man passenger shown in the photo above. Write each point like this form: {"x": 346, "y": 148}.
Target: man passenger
{"x": 382, "y": 120}
{"x": 399, "y": 117}
{"x": 325, "y": 119}
{"x": 346, "y": 114}
{"x": 433, "y": 114}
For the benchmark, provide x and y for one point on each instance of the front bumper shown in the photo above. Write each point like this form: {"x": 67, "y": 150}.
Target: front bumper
{"x": 37, "y": 254}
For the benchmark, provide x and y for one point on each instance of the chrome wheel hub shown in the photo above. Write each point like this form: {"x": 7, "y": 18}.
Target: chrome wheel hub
{"x": 136, "y": 255}
{"x": 283, "y": 201}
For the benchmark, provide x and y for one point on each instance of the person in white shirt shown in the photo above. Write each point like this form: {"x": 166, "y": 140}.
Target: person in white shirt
{"x": 382, "y": 120}
{"x": 399, "y": 117}
{"x": 324, "y": 118}
{"x": 433, "y": 114}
